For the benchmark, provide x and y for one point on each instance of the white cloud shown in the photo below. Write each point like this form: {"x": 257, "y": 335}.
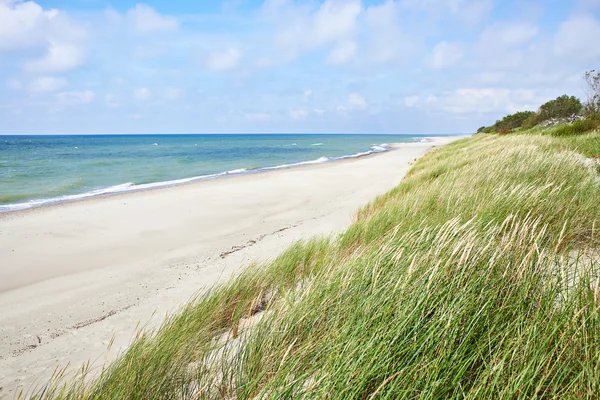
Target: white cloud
{"x": 490, "y": 78}
{"x": 22, "y": 24}
{"x": 145, "y": 19}
{"x": 508, "y": 35}
{"x": 142, "y": 94}
{"x": 173, "y": 93}
{"x": 346, "y": 30}
{"x": 577, "y": 37}
{"x": 508, "y": 45}
{"x": 28, "y": 28}
{"x": 302, "y": 27}
{"x": 486, "y": 100}
{"x": 59, "y": 57}
{"x": 224, "y": 60}
{"x": 473, "y": 12}
{"x": 83, "y": 97}
{"x": 506, "y": 67}
{"x": 446, "y": 54}
{"x": 113, "y": 16}
{"x": 384, "y": 40}
{"x": 342, "y": 53}
{"x": 46, "y": 84}
{"x": 469, "y": 11}
{"x": 356, "y": 101}
{"x": 336, "y": 20}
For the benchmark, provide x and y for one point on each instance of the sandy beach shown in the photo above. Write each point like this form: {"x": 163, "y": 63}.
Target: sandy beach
{"x": 78, "y": 276}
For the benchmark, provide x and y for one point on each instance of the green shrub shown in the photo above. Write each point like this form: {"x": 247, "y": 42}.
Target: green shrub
{"x": 509, "y": 123}
{"x": 532, "y": 121}
{"x": 576, "y": 128}
{"x": 513, "y": 121}
{"x": 562, "y": 107}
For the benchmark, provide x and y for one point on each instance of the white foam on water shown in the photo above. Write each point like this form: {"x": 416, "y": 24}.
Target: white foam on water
{"x": 283, "y": 166}
{"x": 130, "y": 186}
{"x": 236, "y": 171}
{"x": 379, "y": 149}
{"x": 59, "y": 199}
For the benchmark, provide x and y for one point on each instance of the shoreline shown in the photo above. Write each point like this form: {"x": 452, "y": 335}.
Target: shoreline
{"x": 105, "y": 266}
{"x": 130, "y": 187}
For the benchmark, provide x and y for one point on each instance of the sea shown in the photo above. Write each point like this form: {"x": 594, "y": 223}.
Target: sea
{"x": 46, "y": 169}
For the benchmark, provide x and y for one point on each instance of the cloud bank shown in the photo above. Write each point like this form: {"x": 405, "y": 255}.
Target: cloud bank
{"x": 391, "y": 66}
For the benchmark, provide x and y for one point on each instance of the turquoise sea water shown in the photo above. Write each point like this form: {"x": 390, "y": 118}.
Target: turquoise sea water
{"x": 37, "y": 170}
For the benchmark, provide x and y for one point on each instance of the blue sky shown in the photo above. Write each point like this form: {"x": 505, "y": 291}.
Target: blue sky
{"x": 335, "y": 66}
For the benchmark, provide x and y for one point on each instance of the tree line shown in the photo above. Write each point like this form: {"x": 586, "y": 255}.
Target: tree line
{"x": 562, "y": 107}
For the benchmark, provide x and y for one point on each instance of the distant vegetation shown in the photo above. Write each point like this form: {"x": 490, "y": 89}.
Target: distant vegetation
{"x": 575, "y": 128}
{"x": 510, "y": 122}
{"x": 562, "y": 110}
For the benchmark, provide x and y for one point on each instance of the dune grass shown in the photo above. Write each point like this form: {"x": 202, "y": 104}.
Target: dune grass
{"x": 576, "y": 128}
{"x": 477, "y": 277}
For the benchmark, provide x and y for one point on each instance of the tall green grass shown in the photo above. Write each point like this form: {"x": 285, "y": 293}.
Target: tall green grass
{"x": 576, "y": 128}
{"x": 477, "y": 277}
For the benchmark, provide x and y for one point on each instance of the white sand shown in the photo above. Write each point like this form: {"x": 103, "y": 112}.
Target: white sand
{"x": 75, "y": 275}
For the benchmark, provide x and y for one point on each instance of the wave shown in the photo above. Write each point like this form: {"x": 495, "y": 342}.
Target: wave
{"x": 121, "y": 188}
{"x": 374, "y": 149}
{"x": 59, "y": 199}
{"x": 131, "y": 187}
{"x": 317, "y": 144}
{"x": 380, "y": 148}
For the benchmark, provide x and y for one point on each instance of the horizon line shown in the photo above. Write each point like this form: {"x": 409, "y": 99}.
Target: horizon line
{"x": 234, "y": 133}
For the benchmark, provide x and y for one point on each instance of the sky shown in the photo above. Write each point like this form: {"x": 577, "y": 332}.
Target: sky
{"x": 279, "y": 66}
